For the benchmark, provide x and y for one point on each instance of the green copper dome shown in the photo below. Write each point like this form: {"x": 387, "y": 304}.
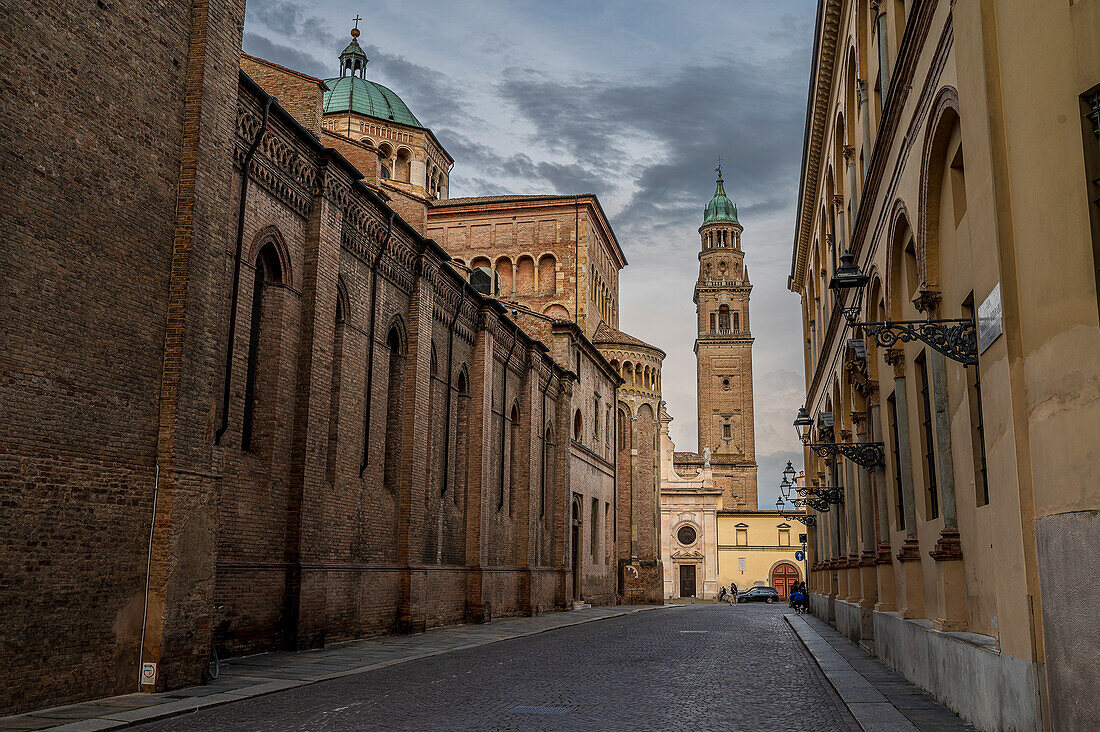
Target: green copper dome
{"x": 352, "y": 92}
{"x": 356, "y": 94}
{"x": 721, "y": 208}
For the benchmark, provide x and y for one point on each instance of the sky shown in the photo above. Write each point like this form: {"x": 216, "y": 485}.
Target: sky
{"x": 633, "y": 101}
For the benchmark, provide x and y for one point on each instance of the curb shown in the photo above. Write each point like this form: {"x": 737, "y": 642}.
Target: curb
{"x": 870, "y": 708}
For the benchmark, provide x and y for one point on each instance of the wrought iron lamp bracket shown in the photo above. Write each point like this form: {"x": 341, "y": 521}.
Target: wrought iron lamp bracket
{"x": 804, "y": 518}
{"x": 866, "y": 454}
{"x": 955, "y": 338}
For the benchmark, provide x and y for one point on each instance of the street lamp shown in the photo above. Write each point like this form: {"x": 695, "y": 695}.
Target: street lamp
{"x": 802, "y": 425}
{"x": 955, "y": 338}
{"x": 865, "y": 454}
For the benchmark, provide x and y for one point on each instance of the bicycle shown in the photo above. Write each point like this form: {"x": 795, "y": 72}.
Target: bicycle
{"x": 219, "y": 632}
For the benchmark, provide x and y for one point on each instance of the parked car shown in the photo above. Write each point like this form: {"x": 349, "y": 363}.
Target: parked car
{"x": 758, "y": 594}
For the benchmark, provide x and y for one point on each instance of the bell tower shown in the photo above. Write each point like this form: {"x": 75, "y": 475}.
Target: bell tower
{"x": 723, "y": 352}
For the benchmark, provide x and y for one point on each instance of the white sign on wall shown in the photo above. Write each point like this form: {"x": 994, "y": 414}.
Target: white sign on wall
{"x": 148, "y": 674}
{"x": 990, "y": 324}
{"x": 741, "y": 564}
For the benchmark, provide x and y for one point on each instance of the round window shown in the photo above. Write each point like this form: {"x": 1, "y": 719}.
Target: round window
{"x": 686, "y": 535}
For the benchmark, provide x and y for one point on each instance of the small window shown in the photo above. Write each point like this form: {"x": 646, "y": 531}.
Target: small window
{"x": 595, "y": 527}
{"x": 742, "y": 538}
{"x": 727, "y": 431}
{"x": 726, "y": 384}
{"x": 686, "y": 535}
{"x": 578, "y": 425}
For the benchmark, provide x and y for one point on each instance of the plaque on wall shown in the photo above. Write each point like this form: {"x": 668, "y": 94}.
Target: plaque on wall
{"x": 990, "y": 324}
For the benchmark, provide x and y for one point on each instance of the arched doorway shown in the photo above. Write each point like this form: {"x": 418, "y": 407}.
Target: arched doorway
{"x": 783, "y": 577}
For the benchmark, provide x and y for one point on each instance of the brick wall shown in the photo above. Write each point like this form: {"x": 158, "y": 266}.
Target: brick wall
{"x": 298, "y": 539}
{"x": 100, "y": 173}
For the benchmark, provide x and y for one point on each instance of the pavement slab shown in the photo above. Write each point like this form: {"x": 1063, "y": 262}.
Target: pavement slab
{"x": 881, "y": 699}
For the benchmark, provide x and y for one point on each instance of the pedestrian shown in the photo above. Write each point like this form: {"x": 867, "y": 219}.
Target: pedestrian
{"x": 722, "y": 594}
{"x": 733, "y": 592}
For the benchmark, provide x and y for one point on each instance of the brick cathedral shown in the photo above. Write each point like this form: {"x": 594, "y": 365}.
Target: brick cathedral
{"x": 246, "y": 392}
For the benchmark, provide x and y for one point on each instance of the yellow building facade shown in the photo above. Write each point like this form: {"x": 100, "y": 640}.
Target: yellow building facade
{"x": 759, "y": 548}
{"x": 952, "y": 151}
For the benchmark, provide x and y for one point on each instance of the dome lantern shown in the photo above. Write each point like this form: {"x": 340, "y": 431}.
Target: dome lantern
{"x": 353, "y": 62}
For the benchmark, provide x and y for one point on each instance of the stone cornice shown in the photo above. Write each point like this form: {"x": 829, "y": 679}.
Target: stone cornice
{"x": 900, "y": 86}
{"x": 817, "y": 111}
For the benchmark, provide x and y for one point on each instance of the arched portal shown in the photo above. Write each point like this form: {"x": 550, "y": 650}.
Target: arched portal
{"x": 783, "y": 576}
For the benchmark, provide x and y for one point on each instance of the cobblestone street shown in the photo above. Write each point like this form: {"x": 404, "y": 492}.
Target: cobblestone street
{"x": 682, "y": 667}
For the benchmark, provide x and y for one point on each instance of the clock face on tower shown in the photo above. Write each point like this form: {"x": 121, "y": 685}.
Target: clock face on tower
{"x": 724, "y": 353}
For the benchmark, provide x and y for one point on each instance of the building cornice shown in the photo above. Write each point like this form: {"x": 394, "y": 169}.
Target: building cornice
{"x": 826, "y": 31}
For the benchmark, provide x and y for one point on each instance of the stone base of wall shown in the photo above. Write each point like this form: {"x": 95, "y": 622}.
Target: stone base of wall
{"x": 963, "y": 671}
{"x": 847, "y": 620}
{"x": 1069, "y": 616}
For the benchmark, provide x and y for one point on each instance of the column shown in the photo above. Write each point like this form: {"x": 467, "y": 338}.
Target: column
{"x": 867, "y": 576}
{"x": 912, "y": 598}
{"x": 884, "y": 563}
{"x": 951, "y": 588}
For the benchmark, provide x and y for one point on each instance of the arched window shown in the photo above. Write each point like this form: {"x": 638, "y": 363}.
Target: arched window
{"x": 624, "y": 430}
{"x": 434, "y": 436}
{"x": 513, "y": 457}
{"x": 525, "y": 276}
{"x": 385, "y": 153}
{"x": 736, "y": 321}
{"x": 548, "y": 279}
{"x": 504, "y": 276}
{"x": 462, "y": 412}
{"x": 394, "y": 403}
{"x": 578, "y": 426}
{"x": 262, "y": 361}
{"x": 724, "y": 319}
{"x": 547, "y": 469}
{"x": 403, "y": 166}
{"x": 334, "y": 392}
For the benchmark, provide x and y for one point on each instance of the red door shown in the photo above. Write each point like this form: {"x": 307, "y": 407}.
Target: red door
{"x": 783, "y": 578}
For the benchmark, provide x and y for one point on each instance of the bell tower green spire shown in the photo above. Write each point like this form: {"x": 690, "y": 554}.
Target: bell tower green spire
{"x": 720, "y": 208}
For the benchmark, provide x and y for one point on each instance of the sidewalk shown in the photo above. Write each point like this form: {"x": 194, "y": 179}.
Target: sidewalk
{"x": 881, "y": 700}
{"x": 266, "y": 673}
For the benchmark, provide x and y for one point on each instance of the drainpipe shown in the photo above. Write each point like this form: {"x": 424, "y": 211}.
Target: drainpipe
{"x": 148, "y": 570}
{"x": 447, "y": 411}
{"x": 577, "y": 262}
{"x": 503, "y": 403}
{"x": 245, "y": 165}
{"x": 370, "y": 343}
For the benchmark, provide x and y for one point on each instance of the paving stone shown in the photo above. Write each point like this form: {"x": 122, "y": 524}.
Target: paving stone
{"x": 626, "y": 673}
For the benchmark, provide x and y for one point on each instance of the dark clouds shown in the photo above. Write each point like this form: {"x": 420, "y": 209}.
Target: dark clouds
{"x": 642, "y": 131}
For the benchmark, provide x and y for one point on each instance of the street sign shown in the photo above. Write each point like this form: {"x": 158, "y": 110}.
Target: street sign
{"x": 990, "y": 325}
{"x": 800, "y": 556}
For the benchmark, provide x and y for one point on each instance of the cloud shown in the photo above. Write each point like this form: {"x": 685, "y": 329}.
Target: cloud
{"x": 632, "y": 106}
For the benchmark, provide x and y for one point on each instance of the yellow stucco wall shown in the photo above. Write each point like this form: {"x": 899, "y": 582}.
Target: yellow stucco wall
{"x": 762, "y": 549}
